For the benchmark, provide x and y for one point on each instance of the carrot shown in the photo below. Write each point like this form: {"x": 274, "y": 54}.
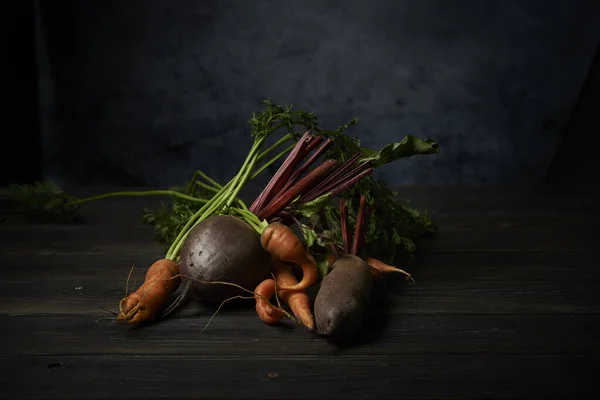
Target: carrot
{"x": 285, "y": 245}
{"x": 331, "y": 259}
{"x": 265, "y": 310}
{"x": 143, "y": 305}
{"x": 378, "y": 268}
{"x": 298, "y": 301}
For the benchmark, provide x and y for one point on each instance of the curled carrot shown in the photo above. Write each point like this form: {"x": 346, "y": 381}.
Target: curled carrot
{"x": 268, "y": 313}
{"x": 298, "y": 301}
{"x": 285, "y": 245}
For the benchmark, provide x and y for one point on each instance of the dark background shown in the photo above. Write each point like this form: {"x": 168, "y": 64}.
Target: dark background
{"x": 144, "y": 92}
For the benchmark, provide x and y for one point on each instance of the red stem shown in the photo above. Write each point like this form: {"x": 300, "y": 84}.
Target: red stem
{"x": 282, "y": 173}
{"x": 344, "y": 226}
{"x": 327, "y": 182}
{"x": 358, "y": 228}
{"x": 341, "y": 181}
{"x": 363, "y": 234}
{"x": 351, "y": 182}
{"x": 310, "y": 161}
{"x": 284, "y": 199}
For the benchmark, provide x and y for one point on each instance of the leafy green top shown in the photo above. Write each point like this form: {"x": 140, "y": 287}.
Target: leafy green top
{"x": 392, "y": 228}
{"x": 276, "y": 116}
{"x": 42, "y": 202}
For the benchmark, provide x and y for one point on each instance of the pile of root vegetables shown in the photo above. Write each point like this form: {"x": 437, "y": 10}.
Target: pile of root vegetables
{"x": 312, "y": 225}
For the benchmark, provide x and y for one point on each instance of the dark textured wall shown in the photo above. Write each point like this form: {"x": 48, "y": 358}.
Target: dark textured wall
{"x": 150, "y": 90}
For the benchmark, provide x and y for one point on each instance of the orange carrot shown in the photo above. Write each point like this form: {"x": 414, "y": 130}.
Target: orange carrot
{"x": 268, "y": 313}
{"x": 298, "y": 301}
{"x": 161, "y": 281}
{"x": 378, "y": 268}
{"x": 331, "y": 259}
{"x": 285, "y": 245}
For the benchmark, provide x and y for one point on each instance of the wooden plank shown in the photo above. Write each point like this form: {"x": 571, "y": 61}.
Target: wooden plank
{"x": 510, "y": 282}
{"x": 331, "y": 377}
{"x": 244, "y": 334}
{"x": 560, "y": 267}
{"x": 140, "y": 240}
{"x": 81, "y": 295}
{"x": 513, "y": 238}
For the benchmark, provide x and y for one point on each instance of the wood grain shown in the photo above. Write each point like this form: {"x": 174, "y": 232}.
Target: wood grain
{"x": 241, "y": 332}
{"x": 505, "y": 305}
{"x": 300, "y": 377}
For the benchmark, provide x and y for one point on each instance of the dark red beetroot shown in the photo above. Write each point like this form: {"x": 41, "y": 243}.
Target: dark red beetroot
{"x": 344, "y": 293}
{"x": 343, "y": 297}
{"x": 223, "y": 248}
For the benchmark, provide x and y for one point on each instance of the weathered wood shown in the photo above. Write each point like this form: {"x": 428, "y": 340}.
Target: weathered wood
{"x": 300, "y": 377}
{"x": 508, "y": 282}
{"x": 102, "y": 239}
{"x": 505, "y": 305}
{"x": 236, "y": 333}
{"x": 563, "y": 268}
{"x": 560, "y": 267}
{"x": 62, "y": 295}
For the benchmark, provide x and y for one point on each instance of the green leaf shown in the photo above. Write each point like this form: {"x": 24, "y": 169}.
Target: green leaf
{"x": 322, "y": 265}
{"x": 409, "y": 146}
{"x": 274, "y": 115}
{"x": 310, "y": 208}
{"x": 393, "y": 228}
{"x": 310, "y": 236}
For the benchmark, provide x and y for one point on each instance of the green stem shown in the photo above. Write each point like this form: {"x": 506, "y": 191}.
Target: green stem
{"x": 223, "y": 198}
{"x": 175, "y": 246}
{"x": 228, "y": 193}
{"x": 272, "y": 160}
{"x": 244, "y": 178}
{"x": 278, "y": 143}
{"x": 252, "y": 220}
{"x": 216, "y": 186}
{"x": 216, "y": 190}
{"x": 142, "y": 193}
{"x": 251, "y": 155}
{"x": 243, "y": 205}
{"x": 209, "y": 179}
{"x": 208, "y": 187}
{"x": 191, "y": 189}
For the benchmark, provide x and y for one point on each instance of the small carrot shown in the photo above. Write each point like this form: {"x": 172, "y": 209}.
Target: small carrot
{"x": 378, "y": 268}
{"x": 331, "y": 259}
{"x": 298, "y": 301}
{"x": 143, "y": 305}
{"x": 285, "y": 245}
{"x": 265, "y": 310}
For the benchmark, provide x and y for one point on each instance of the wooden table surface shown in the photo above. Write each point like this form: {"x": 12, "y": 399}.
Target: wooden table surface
{"x": 506, "y": 304}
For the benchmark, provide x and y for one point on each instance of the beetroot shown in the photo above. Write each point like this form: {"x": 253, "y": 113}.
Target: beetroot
{"x": 221, "y": 248}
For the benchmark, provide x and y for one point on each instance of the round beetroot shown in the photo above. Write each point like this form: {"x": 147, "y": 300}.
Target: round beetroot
{"x": 223, "y": 248}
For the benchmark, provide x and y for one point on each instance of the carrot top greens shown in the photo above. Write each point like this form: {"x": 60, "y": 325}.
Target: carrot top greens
{"x": 291, "y": 195}
{"x": 42, "y": 202}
